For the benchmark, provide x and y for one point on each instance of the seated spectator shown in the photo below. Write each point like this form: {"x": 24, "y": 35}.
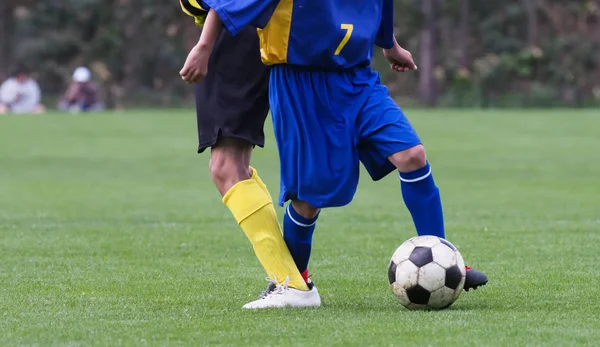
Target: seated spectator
{"x": 82, "y": 94}
{"x": 20, "y": 94}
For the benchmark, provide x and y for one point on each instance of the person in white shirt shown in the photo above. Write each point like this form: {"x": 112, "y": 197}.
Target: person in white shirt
{"x": 20, "y": 94}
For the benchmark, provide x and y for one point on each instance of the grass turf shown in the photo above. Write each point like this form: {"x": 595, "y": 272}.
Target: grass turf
{"x": 111, "y": 233}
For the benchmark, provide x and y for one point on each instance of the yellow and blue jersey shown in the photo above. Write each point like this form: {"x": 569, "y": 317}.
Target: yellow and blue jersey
{"x": 329, "y": 109}
{"x": 328, "y": 34}
{"x": 195, "y": 10}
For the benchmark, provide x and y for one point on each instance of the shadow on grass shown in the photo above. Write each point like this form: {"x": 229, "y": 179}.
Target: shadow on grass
{"x": 384, "y": 307}
{"x": 392, "y": 307}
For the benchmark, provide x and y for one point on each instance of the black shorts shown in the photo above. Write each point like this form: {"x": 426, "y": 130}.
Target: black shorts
{"x": 233, "y": 98}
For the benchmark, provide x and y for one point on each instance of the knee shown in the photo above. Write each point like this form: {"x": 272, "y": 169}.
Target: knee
{"x": 227, "y": 173}
{"x": 410, "y": 159}
{"x": 305, "y": 209}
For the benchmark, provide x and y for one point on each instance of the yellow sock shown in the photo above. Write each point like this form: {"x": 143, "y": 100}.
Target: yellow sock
{"x": 262, "y": 185}
{"x": 253, "y": 210}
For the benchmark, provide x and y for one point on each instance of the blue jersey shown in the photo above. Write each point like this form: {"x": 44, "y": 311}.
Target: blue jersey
{"x": 327, "y": 34}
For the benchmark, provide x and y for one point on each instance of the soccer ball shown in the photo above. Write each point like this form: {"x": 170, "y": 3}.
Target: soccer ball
{"x": 427, "y": 272}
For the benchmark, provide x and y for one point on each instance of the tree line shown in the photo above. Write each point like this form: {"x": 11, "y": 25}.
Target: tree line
{"x": 470, "y": 52}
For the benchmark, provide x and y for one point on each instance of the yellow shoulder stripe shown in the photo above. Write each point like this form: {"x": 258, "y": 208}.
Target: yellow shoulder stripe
{"x": 192, "y": 8}
{"x": 196, "y": 5}
{"x": 184, "y": 9}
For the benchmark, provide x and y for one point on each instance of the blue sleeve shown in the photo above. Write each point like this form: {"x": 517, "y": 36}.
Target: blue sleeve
{"x": 385, "y": 35}
{"x": 237, "y": 14}
{"x": 204, "y": 5}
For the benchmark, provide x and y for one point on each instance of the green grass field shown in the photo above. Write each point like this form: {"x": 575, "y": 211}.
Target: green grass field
{"x": 112, "y": 234}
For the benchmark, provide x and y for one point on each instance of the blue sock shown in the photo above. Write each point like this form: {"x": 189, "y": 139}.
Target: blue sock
{"x": 422, "y": 198}
{"x": 298, "y": 233}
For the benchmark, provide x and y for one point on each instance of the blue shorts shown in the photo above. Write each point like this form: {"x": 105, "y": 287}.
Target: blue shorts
{"x": 325, "y": 123}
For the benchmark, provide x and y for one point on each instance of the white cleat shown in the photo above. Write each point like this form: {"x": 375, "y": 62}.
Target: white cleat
{"x": 284, "y": 296}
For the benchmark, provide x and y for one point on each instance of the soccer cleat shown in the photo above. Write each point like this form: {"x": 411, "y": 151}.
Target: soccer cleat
{"x": 474, "y": 279}
{"x": 284, "y": 296}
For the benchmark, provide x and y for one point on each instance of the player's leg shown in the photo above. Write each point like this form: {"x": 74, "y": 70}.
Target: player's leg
{"x": 319, "y": 166}
{"x": 248, "y": 199}
{"x": 419, "y": 191}
{"x": 271, "y": 250}
{"x": 422, "y": 198}
{"x": 232, "y": 105}
{"x": 252, "y": 207}
{"x": 389, "y": 142}
{"x": 298, "y": 229}
{"x": 230, "y": 163}
{"x": 299, "y": 224}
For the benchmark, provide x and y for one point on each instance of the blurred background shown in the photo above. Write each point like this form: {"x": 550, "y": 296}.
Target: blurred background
{"x": 471, "y": 53}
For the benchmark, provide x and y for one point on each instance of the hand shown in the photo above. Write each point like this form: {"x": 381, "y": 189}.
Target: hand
{"x": 400, "y": 59}
{"x": 196, "y": 65}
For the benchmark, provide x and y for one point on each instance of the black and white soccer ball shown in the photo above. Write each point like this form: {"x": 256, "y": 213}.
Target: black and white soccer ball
{"x": 427, "y": 272}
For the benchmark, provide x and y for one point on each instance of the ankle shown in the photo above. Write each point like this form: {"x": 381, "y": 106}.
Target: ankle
{"x": 305, "y": 275}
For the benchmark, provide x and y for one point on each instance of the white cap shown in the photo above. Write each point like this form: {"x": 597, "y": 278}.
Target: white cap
{"x": 82, "y": 74}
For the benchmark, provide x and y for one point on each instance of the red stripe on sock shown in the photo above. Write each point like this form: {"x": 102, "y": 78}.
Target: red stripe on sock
{"x": 305, "y": 275}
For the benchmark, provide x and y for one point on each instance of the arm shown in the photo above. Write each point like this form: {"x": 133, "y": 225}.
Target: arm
{"x": 399, "y": 58}
{"x": 235, "y": 14}
{"x": 210, "y": 32}
{"x": 385, "y": 36}
{"x": 196, "y": 64}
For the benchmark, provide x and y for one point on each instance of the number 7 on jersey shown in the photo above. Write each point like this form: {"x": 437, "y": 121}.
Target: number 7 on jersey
{"x": 349, "y": 28}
